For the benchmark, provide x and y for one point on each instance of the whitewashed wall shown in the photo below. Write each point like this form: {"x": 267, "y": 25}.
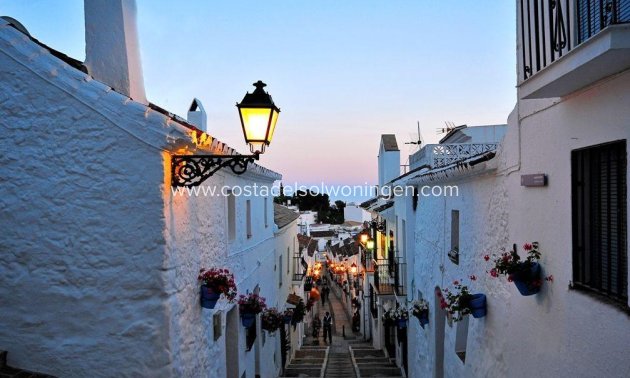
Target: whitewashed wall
{"x": 82, "y": 217}
{"x": 558, "y": 332}
{"x": 99, "y": 259}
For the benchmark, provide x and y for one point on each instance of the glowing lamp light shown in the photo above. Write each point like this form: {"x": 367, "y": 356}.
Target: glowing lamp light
{"x": 364, "y": 238}
{"x": 258, "y": 118}
{"x": 370, "y": 244}
{"x": 353, "y": 268}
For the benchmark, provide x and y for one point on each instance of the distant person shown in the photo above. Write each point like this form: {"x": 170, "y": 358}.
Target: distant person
{"x": 316, "y": 326}
{"x": 328, "y": 327}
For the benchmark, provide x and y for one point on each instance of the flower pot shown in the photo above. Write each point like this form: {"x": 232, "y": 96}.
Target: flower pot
{"x": 308, "y": 287}
{"x": 402, "y": 323}
{"x": 423, "y": 318}
{"x": 477, "y": 305}
{"x": 209, "y": 298}
{"x": 248, "y": 319}
{"x": 525, "y": 280}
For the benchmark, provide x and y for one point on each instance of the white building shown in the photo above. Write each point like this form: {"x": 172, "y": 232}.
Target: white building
{"x": 100, "y": 256}
{"x": 558, "y": 178}
{"x": 354, "y": 212}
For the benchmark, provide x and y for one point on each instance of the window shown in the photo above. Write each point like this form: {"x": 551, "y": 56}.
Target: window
{"x": 454, "y": 252}
{"x": 288, "y": 259}
{"x": 461, "y": 338}
{"x": 216, "y": 325}
{"x": 249, "y": 219}
{"x": 279, "y": 271}
{"x": 266, "y": 214}
{"x": 231, "y": 205}
{"x": 600, "y": 259}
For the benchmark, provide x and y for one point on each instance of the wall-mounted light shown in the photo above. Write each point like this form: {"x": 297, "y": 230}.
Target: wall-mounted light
{"x": 353, "y": 268}
{"x": 258, "y": 115}
{"x": 370, "y": 244}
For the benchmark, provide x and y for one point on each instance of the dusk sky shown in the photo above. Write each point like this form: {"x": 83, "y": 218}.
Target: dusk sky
{"x": 342, "y": 72}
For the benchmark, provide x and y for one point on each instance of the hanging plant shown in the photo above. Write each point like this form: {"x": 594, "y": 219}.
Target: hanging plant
{"x": 271, "y": 319}
{"x": 298, "y": 313}
{"x": 420, "y": 309}
{"x": 215, "y": 282}
{"x": 459, "y": 302}
{"x": 526, "y": 274}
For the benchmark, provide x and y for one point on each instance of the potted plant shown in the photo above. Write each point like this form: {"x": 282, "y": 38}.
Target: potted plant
{"x": 287, "y": 315}
{"x": 420, "y": 309}
{"x": 271, "y": 319}
{"x": 389, "y": 317}
{"x": 401, "y": 315}
{"x": 298, "y": 313}
{"x": 526, "y": 274}
{"x": 249, "y": 306}
{"x": 459, "y": 302}
{"x": 215, "y": 282}
{"x": 308, "y": 283}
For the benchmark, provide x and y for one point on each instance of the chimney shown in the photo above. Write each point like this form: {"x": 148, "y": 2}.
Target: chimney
{"x": 112, "y": 51}
{"x": 197, "y": 115}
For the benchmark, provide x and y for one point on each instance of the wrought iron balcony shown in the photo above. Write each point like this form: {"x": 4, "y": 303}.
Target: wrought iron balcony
{"x": 390, "y": 276}
{"x": 550, "y": 29}
{"x": 438, "y": 155}
{"x": 298, "y": 267}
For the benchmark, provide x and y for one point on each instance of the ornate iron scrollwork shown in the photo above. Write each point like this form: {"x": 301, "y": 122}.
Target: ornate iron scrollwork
{"x": 192, "y": 170}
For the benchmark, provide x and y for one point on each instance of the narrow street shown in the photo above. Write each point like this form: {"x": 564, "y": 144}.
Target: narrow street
{"x": 348, "y": 356}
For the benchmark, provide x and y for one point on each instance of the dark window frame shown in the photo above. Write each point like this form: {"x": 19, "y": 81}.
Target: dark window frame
{"x": 599, "y": 213}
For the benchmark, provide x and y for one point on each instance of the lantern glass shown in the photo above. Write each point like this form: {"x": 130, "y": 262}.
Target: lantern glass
{"x": 370, "y": 244}
{"x": 259, "y": 116}
{"x": 364, "y": 238}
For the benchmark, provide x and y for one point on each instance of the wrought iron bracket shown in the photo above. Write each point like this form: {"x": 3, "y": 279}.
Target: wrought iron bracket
{"x": 192, "y": 170}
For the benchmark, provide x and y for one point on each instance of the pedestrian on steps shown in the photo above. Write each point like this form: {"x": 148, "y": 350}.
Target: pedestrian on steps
{"x": 328, "y": 327}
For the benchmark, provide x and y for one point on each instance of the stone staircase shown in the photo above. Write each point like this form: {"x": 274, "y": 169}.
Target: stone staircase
{"x": 340, "y": 365}
{"x": 370, "y": 362}
{"x": 309, "y": 361}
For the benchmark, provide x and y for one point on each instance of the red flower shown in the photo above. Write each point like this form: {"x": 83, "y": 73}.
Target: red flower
{"x": 510, "y": 279}
{"x": 549, "y": 278}
{"x": 486, "y": 257}
{"x": 455, "y": 282}
{"x": 473, "y": 277}
{"x": 527, "y": 246}
{"x": 493, "y": 273}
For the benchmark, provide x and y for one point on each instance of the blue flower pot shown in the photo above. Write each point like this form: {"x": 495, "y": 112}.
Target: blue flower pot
{"x": 402, "y": 323}
{"x": 525, "y": 280}
{"x": 424, "y": 318}
{"x": 209, "y": 298}
{"x": 248, "y": 319}
{"x": 477, "y": 305}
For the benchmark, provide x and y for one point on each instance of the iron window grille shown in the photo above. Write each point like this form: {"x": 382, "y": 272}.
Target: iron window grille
{"x": 599, "y": 201}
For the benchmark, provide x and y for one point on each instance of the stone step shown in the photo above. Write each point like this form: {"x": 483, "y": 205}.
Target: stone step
{"x": 310, "y": 353}
{"x": 379, "y": 372}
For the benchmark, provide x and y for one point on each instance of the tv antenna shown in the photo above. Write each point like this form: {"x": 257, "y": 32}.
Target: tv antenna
{"x": 418, "y": 142}
{"x": 449, "y": 126}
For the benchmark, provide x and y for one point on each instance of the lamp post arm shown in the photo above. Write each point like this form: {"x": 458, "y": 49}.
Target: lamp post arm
{"x": 192, "y": 170}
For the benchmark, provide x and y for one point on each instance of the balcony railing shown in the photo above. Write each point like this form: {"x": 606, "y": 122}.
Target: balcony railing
{"x": 438, "y": 155}
{"x": 390, "y": 276}
{"x": 551, "y": 28}
{"x": 298, "y": 268}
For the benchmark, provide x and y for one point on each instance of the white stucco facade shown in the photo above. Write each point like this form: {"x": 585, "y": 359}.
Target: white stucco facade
{"x": 99, "y": 257}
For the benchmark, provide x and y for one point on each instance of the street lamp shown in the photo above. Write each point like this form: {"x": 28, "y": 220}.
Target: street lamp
{"x": 370, "y": 244}
{"x": 353, "y": 268}
{"x": 364, "y": 238}
{"x": 258, "y": 115}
